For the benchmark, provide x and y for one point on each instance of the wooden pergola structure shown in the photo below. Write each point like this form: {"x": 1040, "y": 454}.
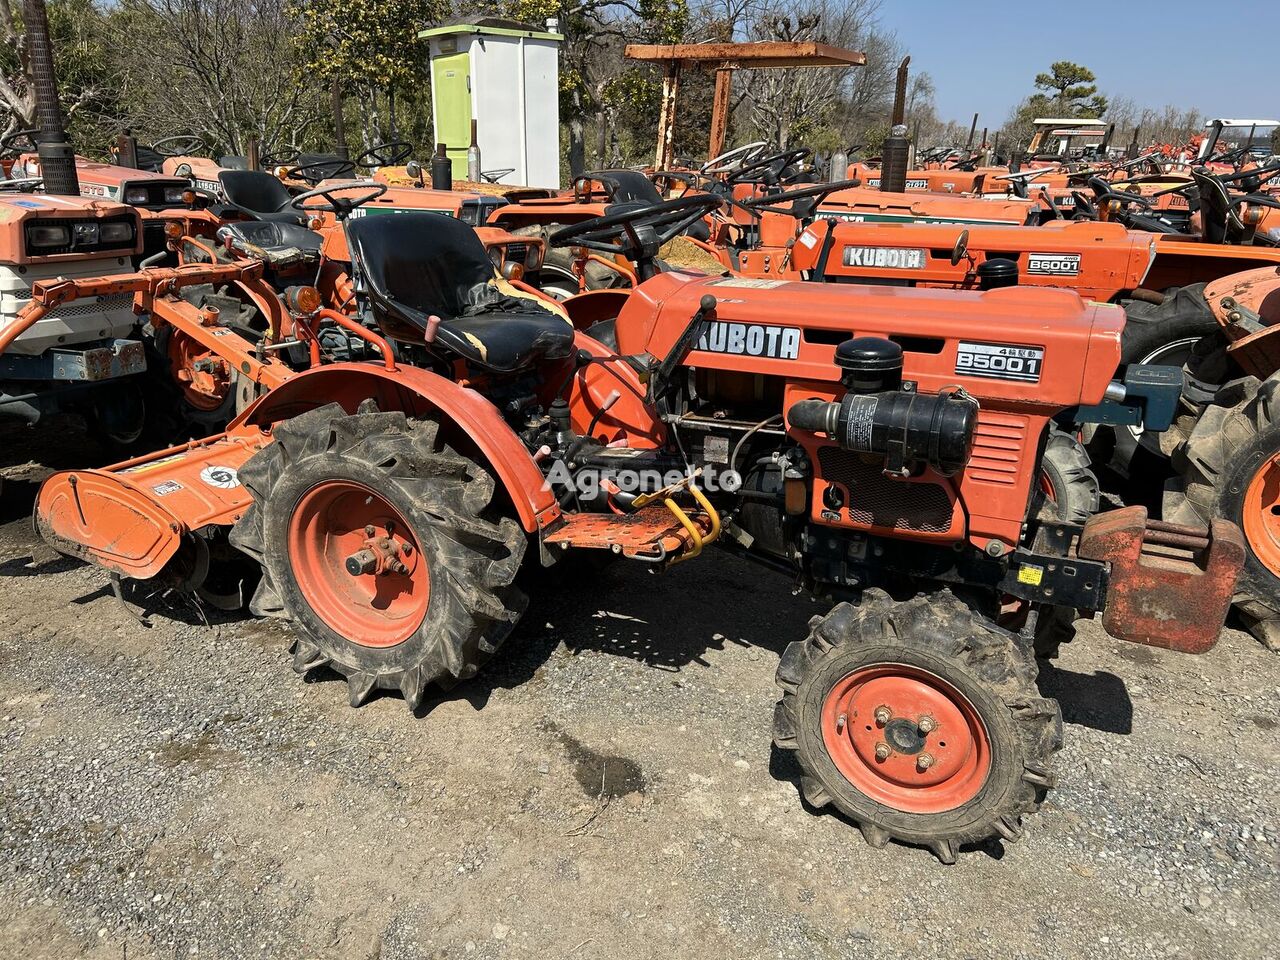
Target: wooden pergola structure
{"x": 724, "y": 58}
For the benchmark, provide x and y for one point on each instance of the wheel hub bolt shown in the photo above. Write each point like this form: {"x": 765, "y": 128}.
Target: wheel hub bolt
{"x": 924, "y": 762}
{"x": 927, "y": 725}
{"x": 882, "y": 751}
{"x": 361, "y": 562}
{"x": 406, "y": 549}
{"x": 883, "y": 715}
{"x": 369, "y": 531}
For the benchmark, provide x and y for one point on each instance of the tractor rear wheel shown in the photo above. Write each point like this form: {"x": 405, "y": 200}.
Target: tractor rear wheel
{"x": 1229, "y": 468}
{"x": 1164, "y": 334}
{"x": 920, "y": 721}
{"x": 379, "y": 542}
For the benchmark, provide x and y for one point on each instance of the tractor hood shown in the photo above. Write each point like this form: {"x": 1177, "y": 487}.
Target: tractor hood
{"x": 1036, "y": 348}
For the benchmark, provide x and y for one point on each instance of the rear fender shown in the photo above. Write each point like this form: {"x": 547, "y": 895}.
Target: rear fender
{"x": 419, "y": 393}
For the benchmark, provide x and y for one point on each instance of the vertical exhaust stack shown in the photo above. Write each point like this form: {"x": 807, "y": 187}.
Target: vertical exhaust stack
{"x": 57, "y": 159}
{"x": 893, "y": 155}
{"x": 340, "y": 147}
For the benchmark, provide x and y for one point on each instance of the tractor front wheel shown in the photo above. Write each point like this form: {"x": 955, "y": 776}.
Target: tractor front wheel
{"x": 379, "y": 542}
{"x": 920, "y": 721}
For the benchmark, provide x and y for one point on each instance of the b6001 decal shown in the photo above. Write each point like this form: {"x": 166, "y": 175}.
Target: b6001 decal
{"x": 999, "y": 361}
{"x": 1053, "y": 264}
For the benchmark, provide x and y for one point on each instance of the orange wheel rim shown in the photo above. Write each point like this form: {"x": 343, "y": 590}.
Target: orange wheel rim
{"x": 202, "y": 376}
{"x": 906, "y": 738}
{"x": 1262, "y": 515}
{"x": 1046, "y": 485}
{"x": 358, "y": 564}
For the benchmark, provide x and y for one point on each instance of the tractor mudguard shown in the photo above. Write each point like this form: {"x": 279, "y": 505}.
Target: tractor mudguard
{"x": 131, "y": 518}
{"x": 419, "y": 393}
{"x": 1170, "y": 585}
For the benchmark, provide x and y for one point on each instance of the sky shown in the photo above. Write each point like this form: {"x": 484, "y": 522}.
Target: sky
{"x": 983, "y": 56}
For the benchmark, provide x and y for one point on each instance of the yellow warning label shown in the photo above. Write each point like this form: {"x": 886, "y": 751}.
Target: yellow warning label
{"x": 1028, "y": 573}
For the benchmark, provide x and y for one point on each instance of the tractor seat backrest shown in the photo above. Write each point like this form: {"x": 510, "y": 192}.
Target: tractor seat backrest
{"x": 413, "y": 266}
{"x": 426, "y": 261}
{"x": 256, "y": 193}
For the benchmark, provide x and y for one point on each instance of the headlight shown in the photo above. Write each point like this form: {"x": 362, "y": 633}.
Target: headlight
{"x": 48, "y": 235}
{"x": 184, "y": 170}
{"x": 116, "y": 232}
{"x": 174, "y": 194}
{"x": 135, "y": 195}
{"x": 85, "y": 233}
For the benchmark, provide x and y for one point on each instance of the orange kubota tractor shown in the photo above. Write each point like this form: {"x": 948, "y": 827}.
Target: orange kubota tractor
{"x": 882, "y": 445}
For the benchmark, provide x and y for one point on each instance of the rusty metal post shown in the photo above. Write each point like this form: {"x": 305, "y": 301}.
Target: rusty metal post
{"x": 57, "y": 158}
{"x": 720, "y": 111}
{"x": 252, "y": 154}
{"x": 667, "y": 116}
{"x": 973, "y": 128}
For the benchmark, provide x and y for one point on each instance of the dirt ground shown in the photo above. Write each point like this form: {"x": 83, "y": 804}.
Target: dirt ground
{"x": 607, "y": 788}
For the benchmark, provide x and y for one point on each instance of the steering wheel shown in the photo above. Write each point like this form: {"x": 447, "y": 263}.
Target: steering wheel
{"x": 313, "y": 173}
{"x": 385, "y": 154}
{"x": 183, "y": 145}
{"x": 340, "y": 207}
{"x": 771, "y": 202}
{"x": 782, "y": 159}
{"x": 729, "y": 160}
{"x": 1103, "y": 191}
{"x": 637, "y": 232}
{"x": 271, "y": 160}
{"x": 27, "y": 138}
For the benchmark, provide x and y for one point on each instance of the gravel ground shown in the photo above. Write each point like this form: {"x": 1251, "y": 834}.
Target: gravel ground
{"x": 606, "y": 789}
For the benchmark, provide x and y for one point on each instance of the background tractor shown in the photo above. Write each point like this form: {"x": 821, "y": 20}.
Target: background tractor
{"x": 87, "y": 356}
{"x": 869, "y": 441}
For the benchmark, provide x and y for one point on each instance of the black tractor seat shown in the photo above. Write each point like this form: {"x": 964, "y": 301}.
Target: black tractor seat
{"x": 259, "y": 196}
{"x": 418, "y": 265}
{"x": 278, "y": 243}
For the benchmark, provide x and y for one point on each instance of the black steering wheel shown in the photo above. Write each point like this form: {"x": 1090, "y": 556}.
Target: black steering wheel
{"x": 637, "y": 232}
{"x": 182, "y": 145}
{"x": 272, "y": 160}
{"x": 1103, "y": 191}
{"x": 772, "y": 202}
{"x": 320, "y": 170}
{"x": 780, "y": 160}
{"x": 339, "y": 206}
{"x": 385, "y": 154}
{"x": 19, "y": 141}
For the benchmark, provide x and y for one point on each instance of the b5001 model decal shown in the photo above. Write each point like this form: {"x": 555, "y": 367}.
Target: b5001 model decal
{"x": 999, "y": 361}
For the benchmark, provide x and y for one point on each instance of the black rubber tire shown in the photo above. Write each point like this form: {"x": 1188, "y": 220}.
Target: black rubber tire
{"x": 943, "y": 635}
{"x": 1069, "y": 471}
{"x": 1184, "y": 315}
{"x": 472, "y": 552}
{"x": 1233, "y": 437}
{"x": 1176, "y": 324}
{"x": 1077, "y": 497}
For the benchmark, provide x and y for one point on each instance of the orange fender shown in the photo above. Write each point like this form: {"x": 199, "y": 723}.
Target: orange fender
{"x": 419, "y": 393}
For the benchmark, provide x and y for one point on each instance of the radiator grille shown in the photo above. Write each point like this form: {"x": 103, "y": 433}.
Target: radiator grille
{"x": 997, "y": 449}
{"x": 875, "y": 500}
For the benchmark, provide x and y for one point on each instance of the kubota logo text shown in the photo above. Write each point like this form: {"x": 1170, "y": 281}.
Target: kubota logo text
{"x": 750, "y": 339}
{"x": 893, "y": 258}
